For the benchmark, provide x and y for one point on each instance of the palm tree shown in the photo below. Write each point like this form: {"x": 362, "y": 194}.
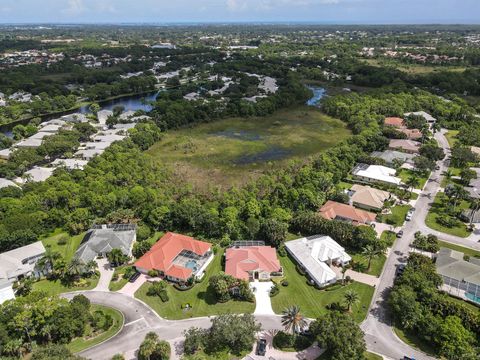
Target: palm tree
{"x": 91, "y": 266}
{"x": 47, "y": 262}
{"x": 412, "y": 182}
{"x": 371, "y": 252}
{"x": 293, "y": 320}
{"x": 116, "y": 257}
{"x": 344, "y": 270}
{"x": 455, "y": 194}
{"x": 351, "y": 297}
{"x": 435, "y": 127}
{"x": 76, "y": 267}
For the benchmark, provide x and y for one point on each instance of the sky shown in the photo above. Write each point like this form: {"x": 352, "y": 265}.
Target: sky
{"x": 175, "y": 11}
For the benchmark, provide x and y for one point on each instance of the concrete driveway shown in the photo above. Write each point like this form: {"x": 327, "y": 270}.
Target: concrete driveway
{"x": 263, "y": 305}
{"x": 106, "y": 273}
{"x": 130, "y": 288}
{"x": 311, "y": 353}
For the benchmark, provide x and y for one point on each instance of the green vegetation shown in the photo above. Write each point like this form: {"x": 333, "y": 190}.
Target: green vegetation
{"x": 376, "y": 265}
{"x": 54, "y": 287}
{"x": 406, "y": 174}
{"x": 313, "y": 301}
{"x": 414, "y": 341}
{"x": 62, "y": 243}
{"x": 372, "y": 356}
{"x": 119, "y": 272}
{"x": 219, "y": 152}
{"x": 451, "y": 136}
{"x": 439, "y": 209}
{"x": 201, "y": 298}
{"x": 397, "y": 217}
{"x": 83, "y": 343}
{"x": 388, "y": 237}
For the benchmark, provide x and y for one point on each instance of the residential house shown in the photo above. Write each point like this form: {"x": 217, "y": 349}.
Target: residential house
{"x": 70, "y": 164}
{"x": 316, "y": 254}
{"x": 6, "y": 183}
{"x": 395, "y": 122}
{"x": 475, "y": 150}
{"x": 177, "y": 257}
{"x": 460, "y": 277}
{"x": 368, "y": 198}
{"x": 102, "y": 239}
{"x": 473, "y": 187}
{"x": 5, "y": 154}
{"x": 36, "y": 174}
{"x": 52, "y": 128}
{"x": 22, "y": 262}
{"x": 6, "y": 291}
{"x": 103, "y": 115}
{"x": 252, "y": 262}
{"x": 392, "y": 156}
{"x": 408, "y": 146}
{"x": 88, "y": 154}
{"x": 372, "y": 174}
{"x": 41, "y": 135}
{"x": 428, "y": 118}
{"x": 399, "y": 125}
{"x": 29, "y": 143}
{"x": 333, "y": 210}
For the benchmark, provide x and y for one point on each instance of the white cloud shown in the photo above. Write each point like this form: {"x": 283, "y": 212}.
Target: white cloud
{"x": 75, "y": 7}
{"x": 241, "y": 5}
{"x": 236, "y": 5}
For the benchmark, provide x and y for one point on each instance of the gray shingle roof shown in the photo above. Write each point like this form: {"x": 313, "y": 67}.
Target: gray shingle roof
{"x": 450, "y": 263}
{"x": 103, "y": 240}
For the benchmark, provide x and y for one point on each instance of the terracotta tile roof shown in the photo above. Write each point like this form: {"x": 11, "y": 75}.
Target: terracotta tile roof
{"x": 407, "y": 145}
{"x": 239, "y": 261}
{"x": 165, "y": 250}
{"x": 411, "y": 133}
{"x": 333, "y": 209}
{"x": 394, "y": 121}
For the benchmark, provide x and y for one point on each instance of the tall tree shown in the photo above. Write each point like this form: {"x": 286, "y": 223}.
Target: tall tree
{"x": 293, "y": 320}
{"x": 351, "y": 297}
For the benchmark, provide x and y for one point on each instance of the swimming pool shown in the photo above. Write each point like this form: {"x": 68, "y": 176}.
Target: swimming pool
{"x": 472, "y": 297}
{"x": 191, "y": 264}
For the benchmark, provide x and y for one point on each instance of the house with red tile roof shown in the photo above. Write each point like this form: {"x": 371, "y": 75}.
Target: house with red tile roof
{"x": 408, "y": 146}
{"x": 394, "y": 122}
{"x": 177, "y": 257}
{"x": 399, "y": 124}
{"x": 333, "y": 210}
{"x": 252, "y": 262}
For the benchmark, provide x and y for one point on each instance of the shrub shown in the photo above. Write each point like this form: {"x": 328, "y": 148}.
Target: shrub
{"x": 62, "y": 240}
{"x": 115, "y": 277}
{"x": 300, "y": 270}
{"x": 281, "y": 251}
{"x": 285, "y": 283}
{"x": 153, "y": 273}
{"x": 128, "y": 272}
{"x": 283, "y": 340}
{"x": 156, "y": 288}
{"x": 274, "y": 290}
{"x": 163, "y": 295}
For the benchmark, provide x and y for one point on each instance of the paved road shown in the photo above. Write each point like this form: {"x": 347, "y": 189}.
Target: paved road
{"x": 379, "y": 335}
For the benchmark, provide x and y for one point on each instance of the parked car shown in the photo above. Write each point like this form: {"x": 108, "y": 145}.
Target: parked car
{"x": 400, "y": 270}
{"x": 400, "y": 234}
{"x": 408, "y": 217}
{"x": 407, "y": 358}
{"x": 261, "y": 347}
{"x": 437, "y": 167}
{"x": 134, "y": 277}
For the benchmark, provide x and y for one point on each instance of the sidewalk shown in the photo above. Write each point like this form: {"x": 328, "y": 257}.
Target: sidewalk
{"x": 357, "y": 276}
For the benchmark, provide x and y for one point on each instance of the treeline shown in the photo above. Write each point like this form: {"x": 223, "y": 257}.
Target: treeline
{"x": 420, "y": 308}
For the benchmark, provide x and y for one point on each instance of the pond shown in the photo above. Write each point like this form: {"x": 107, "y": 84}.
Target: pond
{"x": 318, "y": 94}
{"x": 270, "y": 154}
{"x": 239, "y": 134}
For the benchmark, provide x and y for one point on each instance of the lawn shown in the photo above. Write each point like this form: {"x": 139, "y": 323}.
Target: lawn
{"x": 466, "y": 251}
{"x": 406, "y": 174}
{"x": 376, "y": 265}
{"x": 200, "y": 298}
{"x": 397, "y": 217}
{"x": 224, "y": 355}
{"x": 312, "y": 302}
{"x": 438, "y": 209}
{"x": 80, "y": 344}
{"x": 233, "y": 150}
{"x": 121, "y": 282}
{"x": 412, "y": 340}
{"x": 388, "y": 237}
{"x": 451, "y": 137}
{"x": 469, "y": 305}
{"x": 55, "y": 287}
{"x": 66, "y": 251}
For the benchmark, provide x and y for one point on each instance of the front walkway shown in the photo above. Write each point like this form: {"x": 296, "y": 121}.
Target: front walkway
{"x": 130, "y": 288}
{"x": 311, "y": 353}
{"x": 106, "y": 273}
{"x": 357, "y": 276}
{"x": 262, "y": 297}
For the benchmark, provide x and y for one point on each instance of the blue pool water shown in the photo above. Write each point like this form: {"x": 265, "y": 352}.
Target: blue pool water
{"x": 318, "y": 94}
{"x": 191, "y": 264}
{"x": 472, "y": 297}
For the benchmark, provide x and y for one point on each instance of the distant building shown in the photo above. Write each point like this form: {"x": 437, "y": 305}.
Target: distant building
{"x": 36, "y": 174}
{"x": 6, "y": 291}
{"x": 22, "y": 262}
{"x": 102, "y": 239}
{"x": 252, "y": 262}
{"x": 376, "y": 174}
{"x": 333, "y": 210}
{"x": 368, "y": 198}
{"x": 70, "y": 164}
{"x": 395, "y": 122}
{"x": 6, "y": 183}
{"x": 473, "y": 187}
{"x": 315, "y": 254}
{"x": 389, "y": 156}
{"x": 428, "y": 118}
{"x": 30, "y": 142}
{"x": 177, "y": 257}
{"x": 103, "y": 115}
{"x": 5, "y": 154}
{"x": 460, "y": 277}
{"x": 408, "y": 146}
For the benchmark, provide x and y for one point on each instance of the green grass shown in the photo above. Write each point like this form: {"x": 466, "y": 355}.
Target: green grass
{"x": 388, "y": 237}
{"x": 121, "y": 282}
{"x": 397, "y": 217}
{"x": 465, "y": 250}
{"x": 376, "y": 266}
{"x": 66, "y": 251}
{"x": 200, "y": 298}
{"x": 406, "y": 174}
{"x": 55, "y": 287}
{"x": 413, "y": 69}
{"x": 372, "y": 356}
{"x": 475, "y": 308}
{"x": 312, "y": 301}
{"x": 438, "y": 208}
{"x": 224, "y": 355}
{"x": 451, "y": 137}
{"x": 80, "y": 344}
{"x": 412, "y": 340}
{"x": 207, "y": 157}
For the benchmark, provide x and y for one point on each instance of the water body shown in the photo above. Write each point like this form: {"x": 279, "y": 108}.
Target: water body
{"x": 130, "y": 103}
{"x": 318, "y": 94}
{"x": 271, "y": 154}
{"x": 239, "y": 134}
